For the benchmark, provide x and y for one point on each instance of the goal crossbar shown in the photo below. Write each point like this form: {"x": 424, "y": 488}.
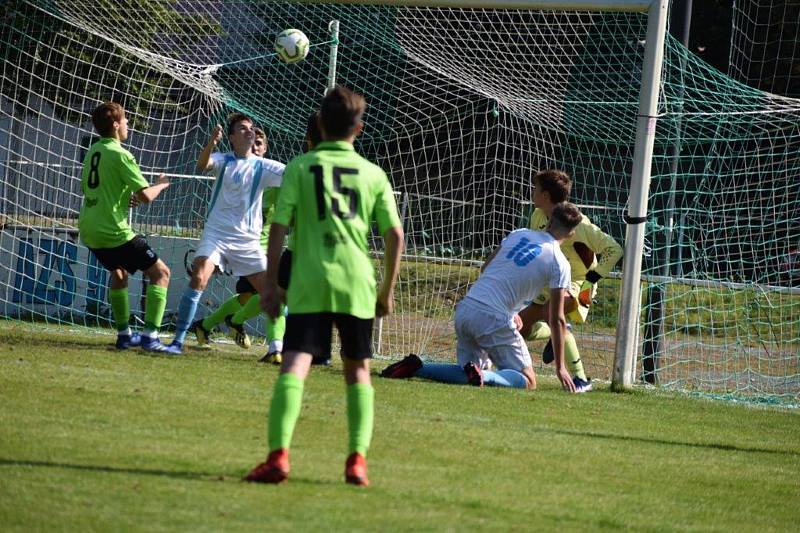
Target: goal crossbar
{"x": 640, "y": 6}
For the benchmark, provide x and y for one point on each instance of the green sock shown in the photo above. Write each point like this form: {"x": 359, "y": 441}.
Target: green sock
{"x": 287, "y": 398}
{"x": 230, "y": 307}
{"x": 120, "y": 307}
{"x": 539, "y": 332}
{"x": 249, "y": 310}
{"x": 360, "y": 416}
{"x": 276, "y": 328}
{"x": 154, "y": 307}
{"x": 573, "y": 356}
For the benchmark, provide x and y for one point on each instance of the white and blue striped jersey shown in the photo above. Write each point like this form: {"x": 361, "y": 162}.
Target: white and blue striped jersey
{"x": 234, "y": 212}
{"x": 527, "y": 262}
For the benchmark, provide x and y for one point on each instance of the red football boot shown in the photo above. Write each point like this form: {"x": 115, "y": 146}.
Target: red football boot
{"x": 404, "y": 368}
{"x": 274, "y": 470}
{"x": 355, "y": 470}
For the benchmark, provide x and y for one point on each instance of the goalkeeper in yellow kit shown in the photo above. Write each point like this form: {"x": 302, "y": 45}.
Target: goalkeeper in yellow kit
{"x": 591, "y": 254}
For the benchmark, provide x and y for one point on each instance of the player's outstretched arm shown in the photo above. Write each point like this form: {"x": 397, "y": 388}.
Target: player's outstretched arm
{"x": 393, "y": 245}
{"x": 558, "y": 329}
{"x": 204, "y": 162}
{"x": 148, "y": 194}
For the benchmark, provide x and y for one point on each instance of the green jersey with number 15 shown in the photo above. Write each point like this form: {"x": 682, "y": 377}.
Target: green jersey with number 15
{"x": 333, "y": 194}
{"x": 110, "y": 175}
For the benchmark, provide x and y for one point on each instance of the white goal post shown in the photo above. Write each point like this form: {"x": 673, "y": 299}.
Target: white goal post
{"x": 630, "y": 302}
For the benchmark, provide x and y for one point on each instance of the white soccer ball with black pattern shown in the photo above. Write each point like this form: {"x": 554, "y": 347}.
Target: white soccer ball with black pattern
{"x": 291, "y": 45}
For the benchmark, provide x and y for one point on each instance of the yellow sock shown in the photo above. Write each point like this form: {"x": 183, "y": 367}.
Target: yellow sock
{"x": 573, "y": 356}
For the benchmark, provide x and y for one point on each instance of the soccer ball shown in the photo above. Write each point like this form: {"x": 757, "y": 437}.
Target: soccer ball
{"x": 291, "y": 45}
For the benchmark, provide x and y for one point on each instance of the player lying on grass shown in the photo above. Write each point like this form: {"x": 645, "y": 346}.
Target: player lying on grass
{"x": 241, "y": 307}
{"x": 110, "y": 176}
{"x": 486, "y": 320}
{"x": 232, "y": 233}
{"x": 581, "y": 250}
{"x": 332, "y": 195}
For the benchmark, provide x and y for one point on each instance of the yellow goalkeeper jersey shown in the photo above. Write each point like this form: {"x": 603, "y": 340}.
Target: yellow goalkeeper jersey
{"x": 583, "y": 249}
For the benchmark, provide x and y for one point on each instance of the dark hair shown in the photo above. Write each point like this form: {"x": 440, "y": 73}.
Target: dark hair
{"x": 565, "y": 216}
{"x": 341, "y": 111}
{"x": 105, "y": 115}
{"x": 234, "y": 119}
{"x": 313, "y": 135}
{"x": 260, "y": 133}
{"x": 554, "y": 182}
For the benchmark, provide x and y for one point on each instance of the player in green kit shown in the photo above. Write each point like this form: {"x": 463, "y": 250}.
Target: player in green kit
{"x": 332, "y": 194}
{"x": 110, "y": 176}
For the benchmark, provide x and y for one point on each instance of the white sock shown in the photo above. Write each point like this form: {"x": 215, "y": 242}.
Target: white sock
{"x": 126, "y": 331}
{"x": 275, "y": 346}
{"x": 153, "y": 334}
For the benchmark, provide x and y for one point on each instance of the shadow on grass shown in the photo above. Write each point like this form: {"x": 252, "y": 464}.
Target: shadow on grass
{"x": 646, "y": 440}
{"x": 203, "y": 476}
{"x": 102, "y": 343}
{"x": 195, "y": 476}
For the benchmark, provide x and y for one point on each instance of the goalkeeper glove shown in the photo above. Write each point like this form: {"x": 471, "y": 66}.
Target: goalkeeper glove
{"x": 587, "y": 287}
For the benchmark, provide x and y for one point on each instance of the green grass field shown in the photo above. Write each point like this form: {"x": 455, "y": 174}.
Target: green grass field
{"x": 98, "y": 440}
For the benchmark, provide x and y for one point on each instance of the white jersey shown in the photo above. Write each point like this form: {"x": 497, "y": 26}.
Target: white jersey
{"x": 234, "y": 213}
{"x": 527, "y": 262}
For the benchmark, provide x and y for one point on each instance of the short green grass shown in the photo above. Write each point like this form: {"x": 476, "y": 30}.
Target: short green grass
{"x": 98, "y": 440}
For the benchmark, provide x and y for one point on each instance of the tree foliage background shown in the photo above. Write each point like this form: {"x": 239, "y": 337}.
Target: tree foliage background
{"x": 31, "y": 40}
{"x": 768, "y": 32}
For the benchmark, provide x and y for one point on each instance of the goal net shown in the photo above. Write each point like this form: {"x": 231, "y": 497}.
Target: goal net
{"x": 464, "y": 106}
{"x": 765, "y": 45}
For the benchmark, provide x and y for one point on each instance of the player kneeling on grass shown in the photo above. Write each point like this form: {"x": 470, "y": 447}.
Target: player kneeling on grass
{"x": 486, "y": 320}
{"x": 581, "y": 250}
{"x": 231, "y": 236}
{"x": 332, "y": 194}
{"x": 110, "y": 176}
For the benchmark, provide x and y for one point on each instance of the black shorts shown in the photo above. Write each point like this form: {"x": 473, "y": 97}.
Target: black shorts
{"x": 134, "y": 255}
{"x": 311, "y": 333}
{"x": 285, "y": 269}
{"x": 243, "y": 285}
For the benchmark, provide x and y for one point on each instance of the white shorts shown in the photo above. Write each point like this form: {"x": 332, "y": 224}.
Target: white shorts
{"x": 482, "y": 333}
{"x": 240, "y": 259}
